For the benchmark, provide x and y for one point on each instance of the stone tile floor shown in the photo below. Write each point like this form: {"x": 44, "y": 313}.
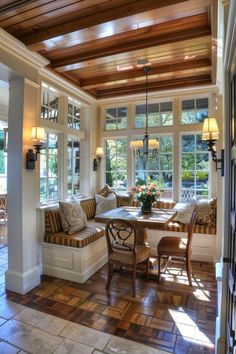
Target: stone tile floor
{"x": 25, "y": 330}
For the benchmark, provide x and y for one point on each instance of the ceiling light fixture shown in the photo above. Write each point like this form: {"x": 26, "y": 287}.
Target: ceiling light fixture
{"x": 142, "y": 147}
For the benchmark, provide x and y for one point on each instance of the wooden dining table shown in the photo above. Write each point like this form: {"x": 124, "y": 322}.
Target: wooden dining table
{"x": 157, "y": 219}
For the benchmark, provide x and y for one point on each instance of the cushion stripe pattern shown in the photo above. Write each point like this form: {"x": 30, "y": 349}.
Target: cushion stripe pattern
{"x": 199, "y": 229}
{"x": 52, "y": 221}
{"x": 81, "y": 239}
{"x": 89, "y": 207}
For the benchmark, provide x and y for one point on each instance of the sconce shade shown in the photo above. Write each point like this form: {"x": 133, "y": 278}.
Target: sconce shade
{"x": 210, "y": 129}
{"x": 99, "y": 151}
{"x": 38, "y": 134}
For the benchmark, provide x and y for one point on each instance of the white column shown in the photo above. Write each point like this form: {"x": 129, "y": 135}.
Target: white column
{"x": 23, "y": 272}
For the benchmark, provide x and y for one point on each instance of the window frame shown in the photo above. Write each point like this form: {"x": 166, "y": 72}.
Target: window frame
{"x": 46, "y": 88}
{"x": 116, "y": 107}
{"x": 195, "y": 109}
{"x": 180, "y": 167}
{"x": 73, "y": 159}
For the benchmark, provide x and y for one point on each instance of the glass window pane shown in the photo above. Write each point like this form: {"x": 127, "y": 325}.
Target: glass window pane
{"x": 187, "y": 179}
{"x": 188, "y": 143}
{"x": 188, "y": 161}
{"x": 53, "y": 188}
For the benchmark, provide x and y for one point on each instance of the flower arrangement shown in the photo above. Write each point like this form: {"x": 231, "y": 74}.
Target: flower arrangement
{"x": 146, "y": 193}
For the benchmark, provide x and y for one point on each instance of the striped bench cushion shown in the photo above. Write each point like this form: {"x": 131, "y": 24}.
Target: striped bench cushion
{"x": 200, "y": 229}
{"x": 89, "y": 207}
{"x": 89, "y": 234}
{"x": 52, "y": 221}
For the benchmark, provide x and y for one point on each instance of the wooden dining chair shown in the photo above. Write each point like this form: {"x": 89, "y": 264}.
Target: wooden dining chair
{"x": 3, "y": 207}
{"x": 123, "y": 250}
{"x": 175, "y": 248}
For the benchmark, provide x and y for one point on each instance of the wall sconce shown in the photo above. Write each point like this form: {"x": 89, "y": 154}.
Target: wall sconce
{"x": 38, "y": 136}
{"x": 210, "y": 133}
{"x": 97, "y": 160}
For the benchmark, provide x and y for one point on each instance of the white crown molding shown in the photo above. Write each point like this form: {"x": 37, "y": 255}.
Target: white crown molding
{"x": 160, "y": 94}
{"x": 20, "y": 51}
{"x": 64, "y": 84}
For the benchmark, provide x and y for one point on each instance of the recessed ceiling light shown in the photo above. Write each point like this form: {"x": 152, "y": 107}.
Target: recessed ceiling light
{"x": 189, "y": 57}
{"x": 124, "y": 67}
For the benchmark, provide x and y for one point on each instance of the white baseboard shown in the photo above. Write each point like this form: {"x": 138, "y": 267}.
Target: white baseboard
{"x": 22, "y": 283}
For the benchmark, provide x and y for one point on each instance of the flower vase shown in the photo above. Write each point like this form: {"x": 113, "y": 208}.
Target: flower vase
{"x": 146, "y": 207}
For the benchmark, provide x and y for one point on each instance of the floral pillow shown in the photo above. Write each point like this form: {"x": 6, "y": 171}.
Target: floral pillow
{"x": 206, "y": 212}
{"x": 72, "y": 216}
{"x": 185, "y": 211}
{"x": 105, "y": 191}
{"x": 105, "y": 203}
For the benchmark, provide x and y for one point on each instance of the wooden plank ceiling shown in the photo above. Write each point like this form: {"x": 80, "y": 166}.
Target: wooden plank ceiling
{"x": 98, "y": 44}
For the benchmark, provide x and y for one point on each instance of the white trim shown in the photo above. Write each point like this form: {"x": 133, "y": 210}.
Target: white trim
{"x": 230, "y": 41}
{"x": 196, "y": 90}
{"x": 49, "y": 76}
{"x": 18, "y": 49}
{"x": 22, "y": 283}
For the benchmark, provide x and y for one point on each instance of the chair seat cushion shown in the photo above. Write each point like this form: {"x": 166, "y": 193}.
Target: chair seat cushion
{"x": 89, "y": 234}
{"x": 172, "y": 245}
{"x": 143, "y": 253}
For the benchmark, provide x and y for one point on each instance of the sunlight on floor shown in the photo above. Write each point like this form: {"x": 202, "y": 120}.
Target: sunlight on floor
{"x": 188, "y": 328}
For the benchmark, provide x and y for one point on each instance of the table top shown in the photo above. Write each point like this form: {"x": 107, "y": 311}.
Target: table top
{"x": 157, "y": 219}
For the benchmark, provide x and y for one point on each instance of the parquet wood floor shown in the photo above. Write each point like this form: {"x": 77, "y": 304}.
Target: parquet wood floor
{"x": 170, "y": 315}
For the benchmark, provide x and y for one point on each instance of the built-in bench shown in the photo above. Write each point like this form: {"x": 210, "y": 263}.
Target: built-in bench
{"x": 73, "y": 257}
{"x": 77, "y": 257}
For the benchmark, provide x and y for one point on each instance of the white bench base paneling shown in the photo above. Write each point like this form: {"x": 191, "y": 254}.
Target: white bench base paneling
{"x": 75, "y": 264}
{"x": 203, "y": 245}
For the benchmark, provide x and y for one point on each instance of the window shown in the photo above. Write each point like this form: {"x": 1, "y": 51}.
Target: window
{"x": 73, "y": 167}
{"x": 195, "y": 167}
{"x": 73, "y": 114}
{"x": 194, "y": 111}
{"x": 116, "y": 163}
{"x": 3, "y": 157}
{"x": 49, "y": 169}
{"x": 49, "y": 103}
{"x": 159, "y": 114}
{"x": 159, "y": 169}
{"x": 116, "y": 118}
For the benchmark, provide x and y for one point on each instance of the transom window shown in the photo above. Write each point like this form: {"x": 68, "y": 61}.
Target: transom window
{"x": 73, "y": 114}
{"x": 194, "y": 167}
{"x": 116, "y": 118}
{"x": 159, "y": 114}
{"x": 73, "y": 167}
{"x": 194, "y": 110}
{"x": 49, "y": 103}
{"x": 49, "y": 169}
{"x": 116, "y": 163}
{"x": 159, "y": 169}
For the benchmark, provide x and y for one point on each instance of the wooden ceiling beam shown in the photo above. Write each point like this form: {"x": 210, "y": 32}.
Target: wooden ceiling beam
{"x": 98, "y": 17}
{"x": 117, "y": 48}
{"x": 131, "y": 74}
{"x": 155, "y": 86}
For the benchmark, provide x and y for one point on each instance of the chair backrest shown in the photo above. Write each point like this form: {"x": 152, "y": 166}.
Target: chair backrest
{"x": 3, "y": 202}
{"x": 120, "y": 236}
{"x": 191, "y": 225}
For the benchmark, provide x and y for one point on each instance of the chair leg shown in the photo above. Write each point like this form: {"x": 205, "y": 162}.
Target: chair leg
{"x": 134, "y": 282}
{"x": 189, "y": 270}
{"x": 159, "y": 268}
{"x": 110, "y": 274}
{"x": 147, "y": 269}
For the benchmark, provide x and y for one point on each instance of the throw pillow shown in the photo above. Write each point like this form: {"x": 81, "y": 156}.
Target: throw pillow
{"x": 206, "y": 212}
{"x": 73, "y": 218}
{"x": 185, "y": 211}
{"x": 105, "y": 191}
{"x": 103, "y": 204}
{"x": 124, "y": 199}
